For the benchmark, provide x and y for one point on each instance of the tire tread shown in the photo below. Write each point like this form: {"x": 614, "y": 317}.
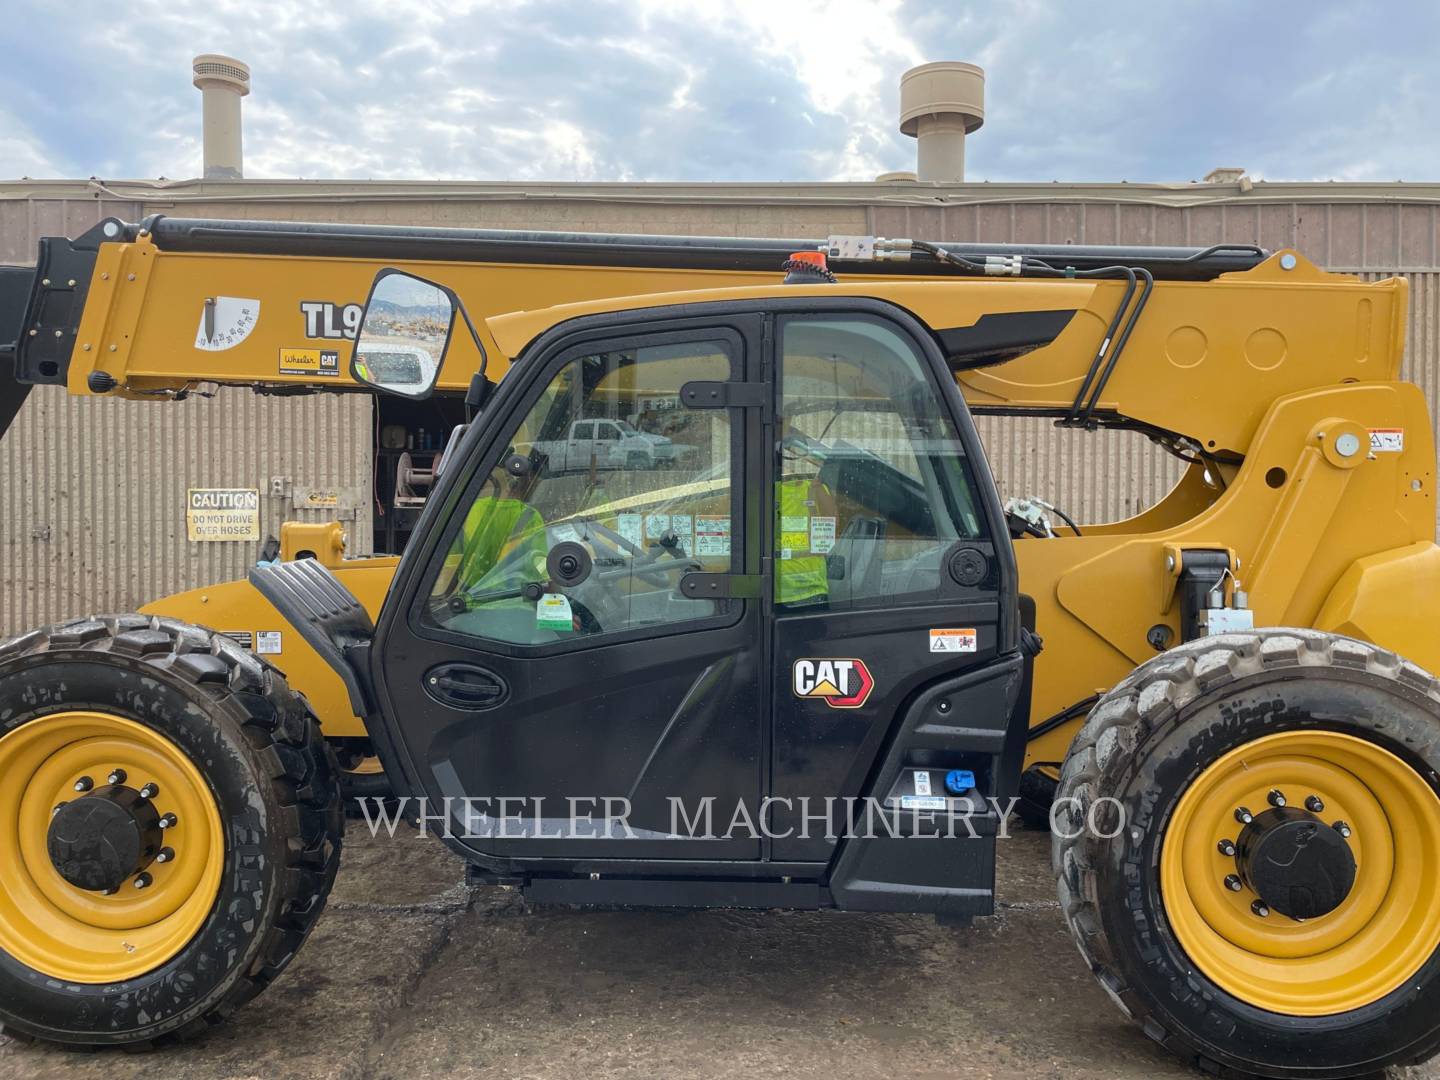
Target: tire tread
{"x": 1153, "y": 698}
{"x": 278, "y": 723}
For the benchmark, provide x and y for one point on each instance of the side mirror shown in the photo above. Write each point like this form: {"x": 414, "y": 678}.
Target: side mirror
{"x": 404, "y": 334}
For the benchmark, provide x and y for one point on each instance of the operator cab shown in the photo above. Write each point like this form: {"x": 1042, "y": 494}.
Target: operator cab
{"x": 717, "y": 574}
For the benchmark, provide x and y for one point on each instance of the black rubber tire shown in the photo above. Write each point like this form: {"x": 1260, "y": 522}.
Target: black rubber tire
{"x": 275, "y": 783}
{"x": 1035, "y": 797}
{"x": 1143, "y": 744}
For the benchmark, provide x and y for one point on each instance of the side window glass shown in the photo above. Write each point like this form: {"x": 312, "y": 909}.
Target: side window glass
{"x": 641, "y": 495}
{"x": 872, "y": 482}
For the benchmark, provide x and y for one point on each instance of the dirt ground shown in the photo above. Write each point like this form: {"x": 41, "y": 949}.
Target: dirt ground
{"x": 411, "y": 976}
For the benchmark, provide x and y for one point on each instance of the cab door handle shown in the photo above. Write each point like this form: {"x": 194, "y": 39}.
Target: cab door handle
{"x": 465, "y": 686}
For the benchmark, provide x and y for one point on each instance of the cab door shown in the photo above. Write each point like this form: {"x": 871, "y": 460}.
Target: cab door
{"x": 544, "y": 661}
{"x": 892, "y": 576}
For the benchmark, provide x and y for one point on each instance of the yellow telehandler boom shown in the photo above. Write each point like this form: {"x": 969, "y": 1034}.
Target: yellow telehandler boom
{"x": 1308, "y": 492}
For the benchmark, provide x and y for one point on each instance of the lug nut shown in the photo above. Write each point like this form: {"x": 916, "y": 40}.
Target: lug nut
{"x": 1233, "y": 883}
{"x": 1315, "y": 804}
{"x": 149, "y": 791}
{"x": 1277, "y": 798}
{"x": 58, "y": 808}
{"x": 111, "y": 891}
{"x": 169, "y": 821}
{"x": 165, "y": 854}
{"x": 117, "y": 777}
{"x": 1343, "y": 829}
{"x": 1243, "y": 816}
{"x": 84, "y": 784}
{"x": 1260, "y": 908}
{"x": 1227, "y": 848}
{"x": 143, "y": 881}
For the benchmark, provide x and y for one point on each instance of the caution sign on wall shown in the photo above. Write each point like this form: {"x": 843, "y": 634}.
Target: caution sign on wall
{"x": 223, "y": 514}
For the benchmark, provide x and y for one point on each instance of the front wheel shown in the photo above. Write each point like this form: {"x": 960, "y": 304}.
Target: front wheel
{"x": 170, "y": 826}
{"x": 1247, "y": 850}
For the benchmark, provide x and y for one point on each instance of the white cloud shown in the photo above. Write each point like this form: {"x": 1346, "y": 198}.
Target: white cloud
{"x": 741, "y": 90}
{"x": 24, "y": 153}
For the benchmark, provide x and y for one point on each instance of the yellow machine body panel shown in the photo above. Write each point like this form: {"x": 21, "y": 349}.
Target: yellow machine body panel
{"x": 239, "y": 610}
{"x": 1266, "y": 333}
{"x": 146, "y": 305}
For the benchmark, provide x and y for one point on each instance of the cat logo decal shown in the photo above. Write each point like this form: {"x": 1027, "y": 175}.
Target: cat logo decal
{"x": 841, "y": 684}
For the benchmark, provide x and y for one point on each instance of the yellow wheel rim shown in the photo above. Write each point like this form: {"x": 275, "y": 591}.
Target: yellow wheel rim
{"x": 77, "y": 935}
{"x": 1381, "y": 933}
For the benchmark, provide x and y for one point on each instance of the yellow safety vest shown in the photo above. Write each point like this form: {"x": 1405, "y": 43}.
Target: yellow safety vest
{"x": 494, "y": 527}
{"x": 801, "y": 576}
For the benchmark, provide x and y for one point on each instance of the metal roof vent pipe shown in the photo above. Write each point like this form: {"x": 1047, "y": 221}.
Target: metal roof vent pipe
{"x": 940, "y": 104}
{"x": 222, "y": 81}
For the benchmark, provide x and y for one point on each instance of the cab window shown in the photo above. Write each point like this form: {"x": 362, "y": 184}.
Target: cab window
{"x": 872, "y": 482}
{"x": 606, "y": 459}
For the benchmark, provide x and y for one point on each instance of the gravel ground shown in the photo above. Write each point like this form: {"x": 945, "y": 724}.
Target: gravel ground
{"x": 410, "y": 976}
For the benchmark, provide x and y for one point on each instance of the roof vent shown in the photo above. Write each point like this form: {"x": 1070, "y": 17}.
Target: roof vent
{"x": 1224, "y": 176}
{"x": 940, "y": 104}
{"x": 223, "y": 81}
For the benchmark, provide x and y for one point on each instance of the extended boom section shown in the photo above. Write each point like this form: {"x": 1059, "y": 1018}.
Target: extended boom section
{"x": 161, "y": 306}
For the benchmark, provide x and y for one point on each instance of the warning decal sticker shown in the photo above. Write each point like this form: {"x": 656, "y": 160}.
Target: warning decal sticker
{"x": 712, "y": 535}
{"x": 953, "y": 641}
{"x": 222, "y": 514}
{"x": 1387, "y": 440}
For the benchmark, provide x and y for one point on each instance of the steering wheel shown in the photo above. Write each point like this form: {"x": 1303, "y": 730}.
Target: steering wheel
{"x": 605, "y": 599}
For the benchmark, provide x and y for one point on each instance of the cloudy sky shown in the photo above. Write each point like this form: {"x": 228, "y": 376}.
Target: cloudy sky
{"x": 725, "y": 89}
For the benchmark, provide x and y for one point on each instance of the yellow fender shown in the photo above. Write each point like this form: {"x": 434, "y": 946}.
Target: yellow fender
{"x": 237, "y": 609}
{"x": 1380, "y": 599}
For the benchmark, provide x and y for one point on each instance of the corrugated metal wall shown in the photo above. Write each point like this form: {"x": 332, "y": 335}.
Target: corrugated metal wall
{"x": 1105, "y": 476}
{"x": 93, "y": 491}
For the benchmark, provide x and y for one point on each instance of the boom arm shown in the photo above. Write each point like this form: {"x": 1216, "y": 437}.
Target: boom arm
{"x": 156, "y": 309}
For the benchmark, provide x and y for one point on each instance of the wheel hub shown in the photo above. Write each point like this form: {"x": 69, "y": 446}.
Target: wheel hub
{"x": 1299, "y": 865}
{"x": 100, "y": 841}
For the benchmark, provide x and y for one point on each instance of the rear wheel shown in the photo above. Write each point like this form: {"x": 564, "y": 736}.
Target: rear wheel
{"x": 170, "y": 825}
{"x": 1248, "y": 853}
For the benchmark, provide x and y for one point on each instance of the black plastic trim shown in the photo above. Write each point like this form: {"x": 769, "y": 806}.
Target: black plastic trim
{"x": 326, "y": 614}
{"x": 652, "y": 892}
{"x": 999, "y": 336}
{"x": 931, "y": 871}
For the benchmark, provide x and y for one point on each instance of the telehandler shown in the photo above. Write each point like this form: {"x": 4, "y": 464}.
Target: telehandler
{"x": 786, "y": 652}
